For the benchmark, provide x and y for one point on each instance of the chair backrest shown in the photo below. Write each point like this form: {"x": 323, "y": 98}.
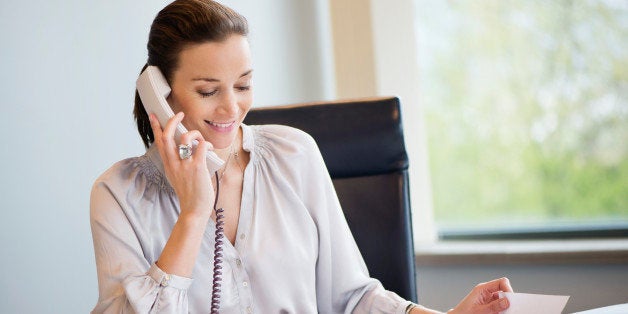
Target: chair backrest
{"x": 362, "y": 144}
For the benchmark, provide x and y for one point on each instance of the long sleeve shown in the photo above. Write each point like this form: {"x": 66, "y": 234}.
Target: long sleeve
{"x": 127, "y": 281}
{"x": 343, "y": 283}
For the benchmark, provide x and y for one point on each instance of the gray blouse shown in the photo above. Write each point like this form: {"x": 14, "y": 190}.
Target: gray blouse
{"x": 293, "y": 253}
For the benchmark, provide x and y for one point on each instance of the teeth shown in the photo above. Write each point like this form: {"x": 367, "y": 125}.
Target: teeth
{"x": 221, "y": 125}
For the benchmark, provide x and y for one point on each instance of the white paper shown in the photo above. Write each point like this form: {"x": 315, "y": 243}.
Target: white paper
{"x": 525, "y": 303}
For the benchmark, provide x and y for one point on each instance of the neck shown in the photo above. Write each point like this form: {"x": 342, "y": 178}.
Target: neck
{"x": 224, "y": 153}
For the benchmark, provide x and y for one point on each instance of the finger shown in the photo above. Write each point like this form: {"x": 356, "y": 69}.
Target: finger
{"x": 201, "y": 151}
{"x": 504, "y": 285}
{"x": 158, "y": 136}
{"x": 196, "y": 139}
{"x": 501, "y": 284}
{"x": 186, "y": 139}
{"x": 192, "y": 137}
{"x": 154, "y": 124}
{"x": 497, "y": 305}
{"x": 167, "y": 136}
{"x": 495, "y": 295}
{"x": 171, "y": 125}
{"x": 157, "y": 133}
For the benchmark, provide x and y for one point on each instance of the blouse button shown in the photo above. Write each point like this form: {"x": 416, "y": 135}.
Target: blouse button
{"x": 238, "y": 262}
{"x": 245, "y": 283}
{"x": 249, "y": 309}
{"x": 242, "y": 236}
{"x": 165, "y": 280}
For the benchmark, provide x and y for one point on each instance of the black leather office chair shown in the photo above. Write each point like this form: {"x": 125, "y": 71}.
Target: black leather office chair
{"x": 363, "y": 147}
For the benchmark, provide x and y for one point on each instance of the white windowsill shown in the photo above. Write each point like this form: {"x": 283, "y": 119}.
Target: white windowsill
{"x": 609, "y": 251}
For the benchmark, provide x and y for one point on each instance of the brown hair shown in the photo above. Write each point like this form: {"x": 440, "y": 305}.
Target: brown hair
{"x": 179, "y": 24}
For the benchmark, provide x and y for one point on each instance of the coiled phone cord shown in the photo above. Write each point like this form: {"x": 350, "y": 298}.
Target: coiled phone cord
{"x": 220, "y": 233}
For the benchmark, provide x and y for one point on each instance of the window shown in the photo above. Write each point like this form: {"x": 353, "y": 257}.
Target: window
{"x": 526, "y": 104}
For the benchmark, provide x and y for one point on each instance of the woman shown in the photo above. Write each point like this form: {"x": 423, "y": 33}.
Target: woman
{"x": 288, "y": 248}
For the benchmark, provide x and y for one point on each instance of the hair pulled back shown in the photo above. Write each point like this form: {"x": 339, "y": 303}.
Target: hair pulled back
{"x": 180, "y": 24}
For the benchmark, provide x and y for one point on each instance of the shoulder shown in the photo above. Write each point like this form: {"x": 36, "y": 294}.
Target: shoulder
{"x": 287, "y": 152}
{"x": 281, "y": 131}
{"x": 121, "y": 171}
{"x": 284, "y": 139}
{"x": 131, "y": 176}
{"x": 120, "y": 168}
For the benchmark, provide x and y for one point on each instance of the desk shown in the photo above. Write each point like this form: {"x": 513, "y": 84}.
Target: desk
{"x": 613, "y": 309}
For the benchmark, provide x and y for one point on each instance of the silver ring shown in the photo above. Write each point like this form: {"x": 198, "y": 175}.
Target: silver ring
{"x": 185, "y": 151}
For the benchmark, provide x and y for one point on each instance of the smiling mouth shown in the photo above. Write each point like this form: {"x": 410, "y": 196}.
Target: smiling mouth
{"x": 220, "y": 125}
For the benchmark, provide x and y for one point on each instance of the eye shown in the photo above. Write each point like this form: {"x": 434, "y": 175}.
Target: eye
{"x": 207, "y": 94}
{"x": 243, "y": 88}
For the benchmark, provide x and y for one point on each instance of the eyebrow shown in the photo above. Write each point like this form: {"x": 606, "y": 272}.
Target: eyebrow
{"x": 210, "y": 79}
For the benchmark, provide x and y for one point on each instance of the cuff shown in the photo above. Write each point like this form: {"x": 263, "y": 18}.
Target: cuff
{"x": 403, "y": 306}
{"x": 168, "y": 280}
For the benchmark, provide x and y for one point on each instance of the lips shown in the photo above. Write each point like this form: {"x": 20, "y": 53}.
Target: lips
{"x": 221, "y": 127}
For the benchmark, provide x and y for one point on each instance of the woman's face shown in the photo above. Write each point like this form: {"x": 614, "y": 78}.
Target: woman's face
{"x": 212, "y": 86}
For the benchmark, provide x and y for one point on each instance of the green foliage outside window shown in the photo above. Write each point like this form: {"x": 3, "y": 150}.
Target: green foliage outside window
{"x": 526, "y": 106}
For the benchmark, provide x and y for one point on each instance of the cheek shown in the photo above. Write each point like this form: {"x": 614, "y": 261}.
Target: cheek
{"x": 245, "y": 105}
{"x": 174, "y": 103}
{"x": 190, "y": 107}
{"x": 179, "y": 102}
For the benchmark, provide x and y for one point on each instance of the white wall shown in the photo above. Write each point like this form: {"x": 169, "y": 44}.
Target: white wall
{"x": 67, "y": 75}
{"x": 375, "y": 54}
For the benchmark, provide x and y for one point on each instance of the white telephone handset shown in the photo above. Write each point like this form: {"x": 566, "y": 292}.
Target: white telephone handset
{"x": 153, "y": 90}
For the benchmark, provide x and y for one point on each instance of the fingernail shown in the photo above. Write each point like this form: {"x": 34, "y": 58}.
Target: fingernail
{"x": 503, "y": 303}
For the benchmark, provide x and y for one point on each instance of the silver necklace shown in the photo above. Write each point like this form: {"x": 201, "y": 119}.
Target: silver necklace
{"x": 224, "y": 169}
{"x": 235, "y": 155}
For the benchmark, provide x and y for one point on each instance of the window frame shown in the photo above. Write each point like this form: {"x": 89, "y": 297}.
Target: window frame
{"x": 388, "y": 50}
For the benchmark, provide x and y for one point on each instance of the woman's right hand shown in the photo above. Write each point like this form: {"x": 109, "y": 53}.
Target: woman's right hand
{"x": 189, "y": 177}
{"x": 484, "y": 298}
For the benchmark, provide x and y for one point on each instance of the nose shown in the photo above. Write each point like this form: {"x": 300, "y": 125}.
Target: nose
{"x": 228, "y": 103}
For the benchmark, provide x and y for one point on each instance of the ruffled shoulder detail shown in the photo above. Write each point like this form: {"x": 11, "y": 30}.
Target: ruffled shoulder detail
{"x": 280, "y": 140}
{"x": 151, "y": 172}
